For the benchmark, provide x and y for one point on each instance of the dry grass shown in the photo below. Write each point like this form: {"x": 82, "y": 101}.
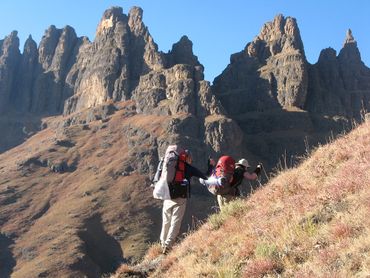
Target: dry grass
{"x": 47, "y": 212}
{"x": 310, "y": 221}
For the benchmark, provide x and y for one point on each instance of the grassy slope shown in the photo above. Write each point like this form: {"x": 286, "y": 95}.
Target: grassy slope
{"x": 310, "y": 221}
{"x": 60, "y": 221}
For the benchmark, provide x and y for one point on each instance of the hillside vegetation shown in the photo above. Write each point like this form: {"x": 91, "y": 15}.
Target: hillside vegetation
{"x": 66, "y": 201}
{"x": 309, "y": 221}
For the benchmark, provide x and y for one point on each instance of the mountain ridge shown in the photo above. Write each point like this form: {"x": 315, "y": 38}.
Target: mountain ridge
{"x": 85, "y": 172}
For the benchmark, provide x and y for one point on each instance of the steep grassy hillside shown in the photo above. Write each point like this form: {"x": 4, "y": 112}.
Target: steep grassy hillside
{"x": 310, "y": 221}
{"x": 75, "y": 198}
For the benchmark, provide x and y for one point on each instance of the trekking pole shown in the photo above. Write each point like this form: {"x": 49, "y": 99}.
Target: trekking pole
{"x": 250, "y": 188}
{"x": 264, "y": 171}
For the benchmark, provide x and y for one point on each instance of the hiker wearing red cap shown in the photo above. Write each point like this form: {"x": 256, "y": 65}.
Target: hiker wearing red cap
{"x": 225, "y": 186}
{"x": 240, "y": 173}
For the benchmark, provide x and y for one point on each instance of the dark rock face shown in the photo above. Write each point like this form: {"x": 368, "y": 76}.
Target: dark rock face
{"x": 69, "y": 74}
{"x": 339, "y": 85}
{"x": 270, "y": 72}
{"x": 112, "y": 65}
{"x": 24, "y": 87}
{"x": 39, "y": 74}
{"x": 55, "y": 51}
{"x": 277, "y": 98}
{"x": 264, "y": 104}
{"x": 9, "y": 60}
{"x": 182, "y": 53}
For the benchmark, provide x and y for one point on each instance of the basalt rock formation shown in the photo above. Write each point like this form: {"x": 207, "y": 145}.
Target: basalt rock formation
{"x": 272, "y": 72}
{"x": 74, "y": 198}
{"x": 66, "y": 74}
{"x": 9, "y": 60}
{"x": 269, "y": 88}
{"x": 110, "y": 67}
{"x": 339, "y": 85}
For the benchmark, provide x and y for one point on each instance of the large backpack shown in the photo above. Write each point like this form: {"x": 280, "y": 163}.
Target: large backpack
{"x": 174, "y": 171}
{"x": 223, "y": 176}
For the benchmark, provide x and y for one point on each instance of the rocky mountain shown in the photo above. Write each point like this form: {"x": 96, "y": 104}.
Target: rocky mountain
{"x": 272, "y": 72}
{"x": 339, "y": 84}
{"x": 74, "y": 197}
{"x": 277, "y": 97}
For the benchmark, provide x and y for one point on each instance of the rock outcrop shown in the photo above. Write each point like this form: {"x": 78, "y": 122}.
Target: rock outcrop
{"x": 68, "y": 74}
{"x": 339, "y": 85}
{"x": 277, "y": 97}
{"x": 111, "y": 66}
{"x": 9, "y": 59}
{"x": 54, "y": 61}
{"x": 270, "y": 72}
{"x": 180, "y": 91}
{"x": 78, "y": 194}
{"x": 39, "y": 73}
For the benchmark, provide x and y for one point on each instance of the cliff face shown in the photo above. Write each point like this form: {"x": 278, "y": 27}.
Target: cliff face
{"x": 123, "y": 102}
{"x": 270, "y": 72}
{"x": 339, "y": 85}
{"x": 110, "y": 67}
{"x": 68, "y": 74}
{"x": 41, "y": 79}
{"x": 9, "y": 61}
{"x": 278, "y": 98}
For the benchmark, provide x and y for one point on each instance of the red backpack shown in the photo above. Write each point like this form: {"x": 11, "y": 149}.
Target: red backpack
{"x": 224, "y": 169}
{"x": 180, "y": 169}
{"x": 174, "y": 164}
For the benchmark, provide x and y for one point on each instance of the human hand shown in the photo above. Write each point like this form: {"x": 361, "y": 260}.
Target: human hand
{"x": 258, "y": 169}
{"x": 211, "y": 161}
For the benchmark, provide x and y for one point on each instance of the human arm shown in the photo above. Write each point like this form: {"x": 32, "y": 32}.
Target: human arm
{"x": 255, "y": 174}
{"x": 250, "y": 176}
{"x": 159, "y": 171}
{"x": 191, "y": 171}
{"x": 210, "y": 166}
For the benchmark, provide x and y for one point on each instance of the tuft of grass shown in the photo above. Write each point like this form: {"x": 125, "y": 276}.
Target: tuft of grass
{"x": 261, "y": 268}
{"x": 234, "y": 208}
{"x": 154, "y": 251}
{"x": 265, "y": 250}
{"x": 122, "y": 271}
{"x": 342, "y": 230}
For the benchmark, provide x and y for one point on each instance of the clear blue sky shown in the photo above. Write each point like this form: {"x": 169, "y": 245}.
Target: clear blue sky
{"x": 218, "y": 28}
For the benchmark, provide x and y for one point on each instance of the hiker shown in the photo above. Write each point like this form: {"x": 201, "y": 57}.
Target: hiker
{"x": 179, "y": 191}
{"x": 226, "y": 176}
{"x": 240, "y": 173}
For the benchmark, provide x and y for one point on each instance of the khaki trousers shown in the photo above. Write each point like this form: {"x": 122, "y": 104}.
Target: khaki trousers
{"x": 222, "y": 200}
{"x": 172, "y": 215}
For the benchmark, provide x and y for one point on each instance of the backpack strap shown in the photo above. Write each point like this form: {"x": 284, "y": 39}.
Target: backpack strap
{"x": 180, "y": 168}
{"x": 238, "y": 176}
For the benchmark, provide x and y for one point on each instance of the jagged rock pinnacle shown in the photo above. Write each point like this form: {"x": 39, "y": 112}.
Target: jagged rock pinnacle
{"x": 109, "y": 19}
{"x": 349, "y": 38}
{"x": 136, "y": 21}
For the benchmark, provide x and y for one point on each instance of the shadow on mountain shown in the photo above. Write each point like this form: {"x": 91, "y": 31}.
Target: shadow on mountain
{"x": 104, "y": 254}
{"x": 287, "y": 134}
{"x": 7, "y": 261}
{"x": 16, "y": 129}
